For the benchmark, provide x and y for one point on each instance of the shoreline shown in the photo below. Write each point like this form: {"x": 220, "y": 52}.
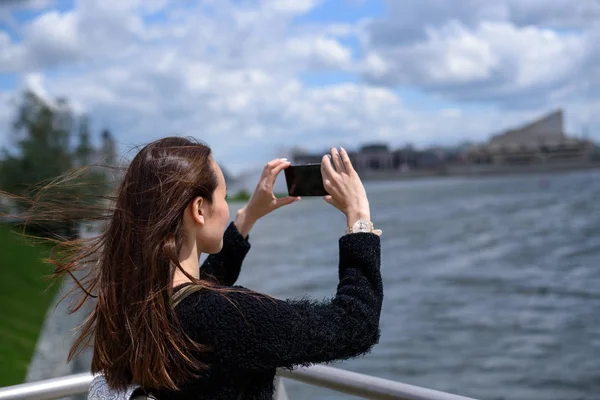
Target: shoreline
{"x": 478, "y": 170}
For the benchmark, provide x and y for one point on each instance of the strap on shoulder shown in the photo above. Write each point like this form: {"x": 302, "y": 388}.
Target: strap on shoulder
{"x": 142, "y": 394}
{"x": 184, "y": 292}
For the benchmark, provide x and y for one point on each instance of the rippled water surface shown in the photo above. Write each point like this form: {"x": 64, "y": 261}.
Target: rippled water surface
{"x": 492, "y": 286}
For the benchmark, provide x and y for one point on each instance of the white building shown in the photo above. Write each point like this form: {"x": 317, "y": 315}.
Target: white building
{"x": 543, "y": 140}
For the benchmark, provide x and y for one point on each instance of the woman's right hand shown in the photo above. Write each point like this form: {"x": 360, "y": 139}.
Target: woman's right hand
{"x": 346, "y": 191}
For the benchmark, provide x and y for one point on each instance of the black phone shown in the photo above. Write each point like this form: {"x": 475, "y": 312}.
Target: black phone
{"x": 305, "y": 180}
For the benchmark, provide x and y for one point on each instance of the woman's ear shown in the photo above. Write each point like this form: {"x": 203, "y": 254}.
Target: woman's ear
{"x": 199, "y": 210}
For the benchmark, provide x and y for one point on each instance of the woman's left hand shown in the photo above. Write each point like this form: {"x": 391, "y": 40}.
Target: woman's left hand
{"x": 263, "y": 200}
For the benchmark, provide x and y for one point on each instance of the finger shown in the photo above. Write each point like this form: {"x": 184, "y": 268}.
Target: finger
{"x": 271, "y": 164}
{"x": 266, "y": 173}
{"x": 326, "y": 167}
{"x": 378, "y": 232}
{"x": 346, "y": 160}
{"x": 329, "y": 199}
{"x": 337, "y": 160}
{"x": 284, "y": 201}
{"x": 276, "y": 170}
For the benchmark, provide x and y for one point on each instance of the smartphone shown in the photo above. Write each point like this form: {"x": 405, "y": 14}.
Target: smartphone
{"x": 305, "y": 180}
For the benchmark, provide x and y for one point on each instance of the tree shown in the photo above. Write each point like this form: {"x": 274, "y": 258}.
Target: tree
{"x": 43, "y": 151}
{"x": 41, "y": 135}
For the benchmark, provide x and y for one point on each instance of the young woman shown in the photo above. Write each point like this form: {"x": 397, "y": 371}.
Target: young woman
{"x": 222, "y": 341}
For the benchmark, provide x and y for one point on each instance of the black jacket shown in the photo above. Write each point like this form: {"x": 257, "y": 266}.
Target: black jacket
{"x": 253, "y": 336}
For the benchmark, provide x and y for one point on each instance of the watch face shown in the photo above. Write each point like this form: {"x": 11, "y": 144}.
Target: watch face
{"x": 362, "y": 226}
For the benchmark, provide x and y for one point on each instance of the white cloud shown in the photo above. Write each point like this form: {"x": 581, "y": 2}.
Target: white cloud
{"x": 320, "y": 52}
{"x": 555, "y": 13}
{"x": 51, "y": 39}
{"x": 246, "y": 116}
{"x": 455, "y": 55}
{"x": 496, "y": 60}
{"x": 507, "y": 52}
{"x": 11, "y": 55}
{"x": 289, "y": 7}
{"x": 228, "y": 72}
{"x": 34, "y": 82}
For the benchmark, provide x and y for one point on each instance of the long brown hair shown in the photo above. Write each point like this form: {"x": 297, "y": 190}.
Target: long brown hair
{"x": 130, "y": 266}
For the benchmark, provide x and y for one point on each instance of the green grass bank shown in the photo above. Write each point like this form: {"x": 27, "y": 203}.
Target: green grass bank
{"x": 24, "y": 300}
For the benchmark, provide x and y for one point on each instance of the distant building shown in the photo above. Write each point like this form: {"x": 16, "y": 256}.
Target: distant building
{"x": 376, "y": 157}
{"x": 541, "y": 141}
{"x": 299, "y": 156}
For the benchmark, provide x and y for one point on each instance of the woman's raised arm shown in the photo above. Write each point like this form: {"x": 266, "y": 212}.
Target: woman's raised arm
{"x": 250, "y": 332}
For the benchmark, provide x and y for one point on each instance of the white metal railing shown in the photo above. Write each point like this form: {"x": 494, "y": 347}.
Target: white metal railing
{"x": 319, "y": 375}
{"x": 49, "y": 389}
{"x": 362, "y": 385}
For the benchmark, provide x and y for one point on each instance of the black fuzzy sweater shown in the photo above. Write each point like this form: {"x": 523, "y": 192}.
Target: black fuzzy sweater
{"x": 251, "y": 337}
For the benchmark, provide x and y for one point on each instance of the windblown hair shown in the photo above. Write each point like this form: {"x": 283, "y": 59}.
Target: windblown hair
{"x": 130, "y": 266}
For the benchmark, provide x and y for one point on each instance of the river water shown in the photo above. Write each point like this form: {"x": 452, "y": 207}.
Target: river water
{"x": 492, "y": 285}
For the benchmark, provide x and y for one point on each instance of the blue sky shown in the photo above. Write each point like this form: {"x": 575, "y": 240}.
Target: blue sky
{"x": 254, "y": 78}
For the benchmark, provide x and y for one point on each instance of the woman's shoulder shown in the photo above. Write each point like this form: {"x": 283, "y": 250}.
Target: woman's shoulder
{"x": 212, "y": 299}
{"x": 209, "y": 308}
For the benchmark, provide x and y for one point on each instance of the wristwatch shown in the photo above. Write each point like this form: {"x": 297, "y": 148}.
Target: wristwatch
{"x": 363, "y": 226}
{"x": 360, "y": 226}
